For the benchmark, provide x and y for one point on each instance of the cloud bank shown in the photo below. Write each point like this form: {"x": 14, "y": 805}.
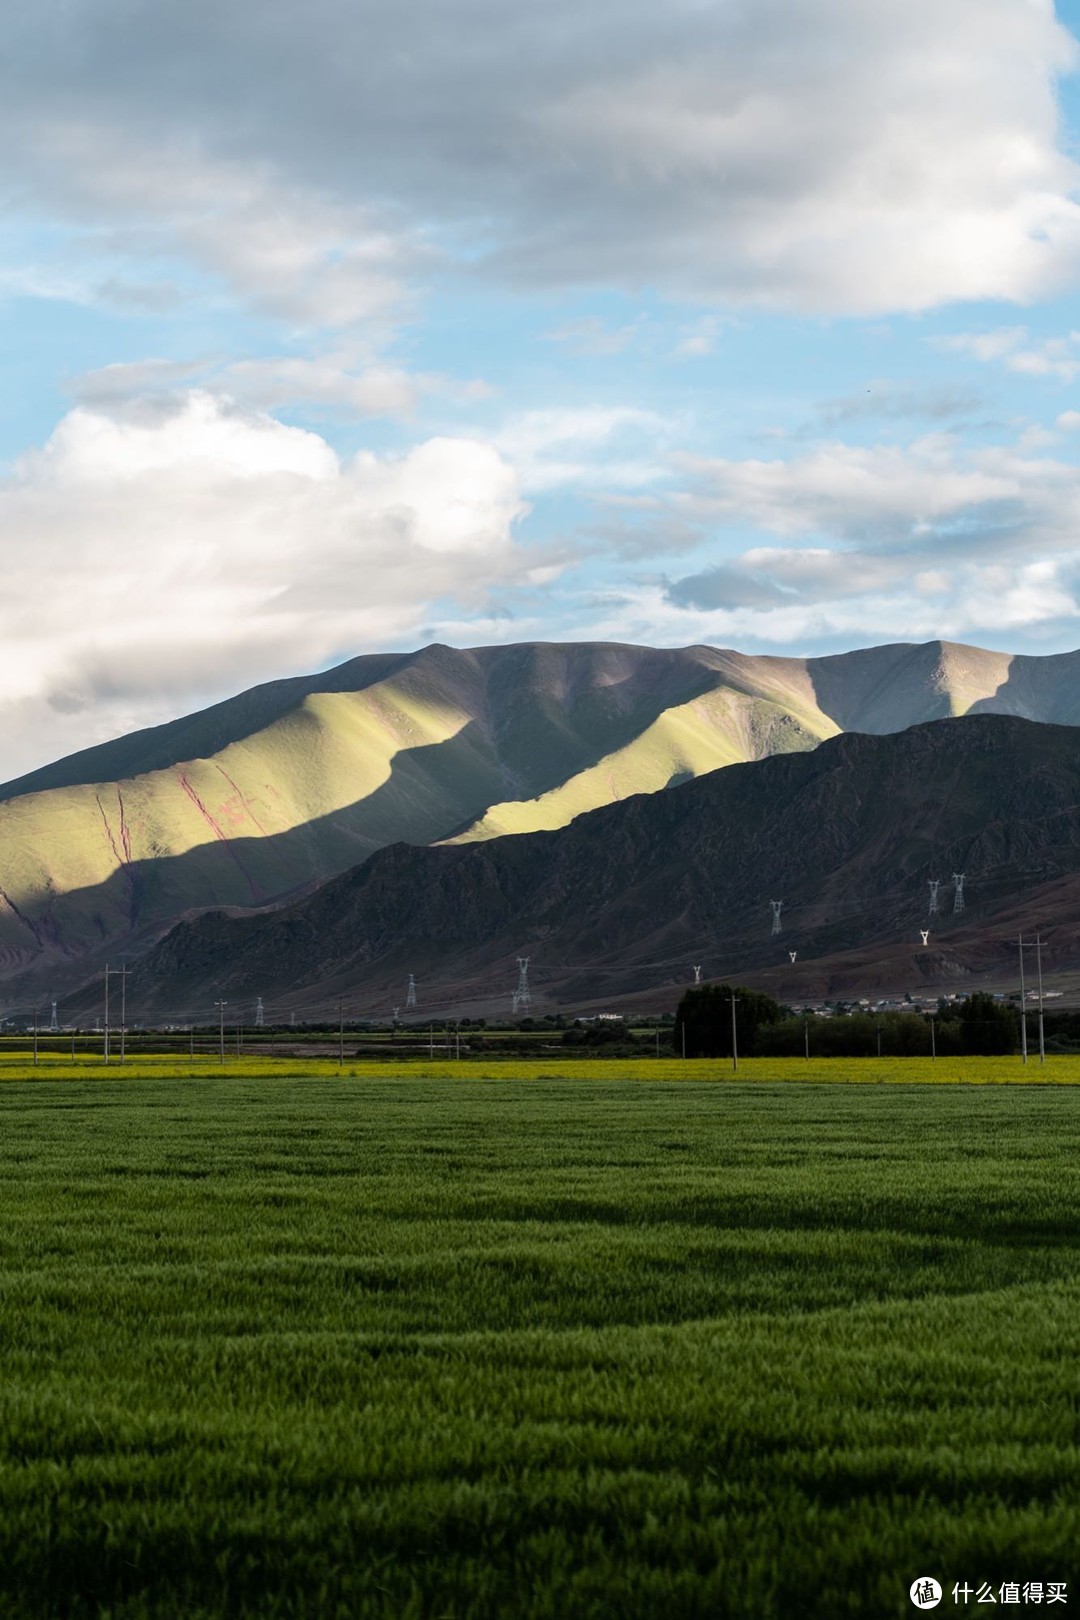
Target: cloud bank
{"x": 293, "y": 201}
{"x": 800, "y": 154}
{"x": 163, "y": 555}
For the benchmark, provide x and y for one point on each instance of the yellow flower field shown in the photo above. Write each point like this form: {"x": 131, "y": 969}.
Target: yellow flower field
{"x": 1057, "y": 1070}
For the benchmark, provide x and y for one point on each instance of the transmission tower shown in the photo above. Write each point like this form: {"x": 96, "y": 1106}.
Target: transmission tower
{"x": 522, "y": 999}
{"x": 958, "y": 896}
{"x": 935, "y": 885}
{"x": 258, "y": 1012}
{"x": 410, "y": 993}
{"x": 53, "y": 1024}
{"x": 924, "y": 934}
{"x": 777, "y": 908}
{"x": 697, "y": 975}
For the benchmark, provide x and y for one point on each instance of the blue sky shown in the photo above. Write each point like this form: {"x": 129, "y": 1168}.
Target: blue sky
{"x": 348, "y": 327}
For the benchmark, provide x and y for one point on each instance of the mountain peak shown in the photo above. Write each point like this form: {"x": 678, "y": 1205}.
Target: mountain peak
{"x": 268, "y": 794}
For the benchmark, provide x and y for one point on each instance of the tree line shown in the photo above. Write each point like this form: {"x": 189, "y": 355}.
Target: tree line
{"x": 978, "y": 1025}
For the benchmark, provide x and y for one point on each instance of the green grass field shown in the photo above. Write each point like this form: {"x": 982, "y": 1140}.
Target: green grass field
{"x": 604, "y": 1348}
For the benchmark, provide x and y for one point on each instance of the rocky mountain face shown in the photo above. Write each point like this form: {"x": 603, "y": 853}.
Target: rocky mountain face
{"x": 623, "y": 901}
{"x": 262, "y": 798}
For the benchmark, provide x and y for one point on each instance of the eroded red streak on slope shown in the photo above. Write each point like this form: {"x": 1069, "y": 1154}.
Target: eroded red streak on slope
{"x": 125, "y": 836}
{"x": 245, "y": 803}
{"x": 123, "y": 860}
{"x": 109, "y": 832}
{"x": 221, "y": 836}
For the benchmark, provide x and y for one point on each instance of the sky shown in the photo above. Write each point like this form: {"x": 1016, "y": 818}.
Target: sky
{"x": 352, "y": 326}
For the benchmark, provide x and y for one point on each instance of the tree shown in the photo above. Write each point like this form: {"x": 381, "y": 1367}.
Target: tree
{"x": 607, "y": 1033}
{"x": 705, "y": 1014}
{"x": 986, "y": 1026}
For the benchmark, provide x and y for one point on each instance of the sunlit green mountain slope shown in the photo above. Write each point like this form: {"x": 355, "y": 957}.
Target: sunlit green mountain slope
{"x": 258, "y": 798}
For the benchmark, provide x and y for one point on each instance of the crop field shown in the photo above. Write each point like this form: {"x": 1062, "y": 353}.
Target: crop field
{"x": 16, "y": 1063}
{"x": 591, "y": 1347}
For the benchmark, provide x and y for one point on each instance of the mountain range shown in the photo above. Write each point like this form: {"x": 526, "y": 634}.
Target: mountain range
{"x": 259, "y": 800}
{"x": 628, "y": 898}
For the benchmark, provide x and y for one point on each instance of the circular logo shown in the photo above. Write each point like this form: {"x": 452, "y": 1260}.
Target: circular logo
{"x": 925, "y": 1593}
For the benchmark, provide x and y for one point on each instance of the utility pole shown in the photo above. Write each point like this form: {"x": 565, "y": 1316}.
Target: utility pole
{"x": 806, "y": 1033}
{"x": 1023, "y": 1005}
{"x": 933, "y": 1042}
{"x": 1038, "y": 959}
{"x": 221, "y": 1006}
{"x": 340, "y": 1037}
{"x": 35, "y": 1037}
{"x": 734, "y": 1037}
{"x": 122, "y": 971}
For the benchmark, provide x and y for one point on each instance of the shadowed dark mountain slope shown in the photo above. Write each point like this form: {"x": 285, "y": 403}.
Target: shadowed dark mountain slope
{"x": 625, "y": 897}
{"x": 101, "y": 853}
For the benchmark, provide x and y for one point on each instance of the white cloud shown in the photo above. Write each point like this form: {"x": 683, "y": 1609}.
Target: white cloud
{"x": 599, "y": 445}
{"x": 885, "y": 492}
{"x": 992, "y": 345}
{"x": 204, "y": 439}
{"x": 701, "y": 339}
{"x": 268, "y": 384}
{"x": 113, "y": 385}
{"x": 1035, "y": 437}
{"x": 805, "y": 154}
{"x": 857, "y": 544}
{"x": 593, "y": 337}
{"x": 1050, "y": 357}
{"x": 879, "y": 604}
{"x": 828, "y": 156}
{"x": 333, "y": 381}
{"x": 155, "y": 563}
{"x": 295, "y": 251}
